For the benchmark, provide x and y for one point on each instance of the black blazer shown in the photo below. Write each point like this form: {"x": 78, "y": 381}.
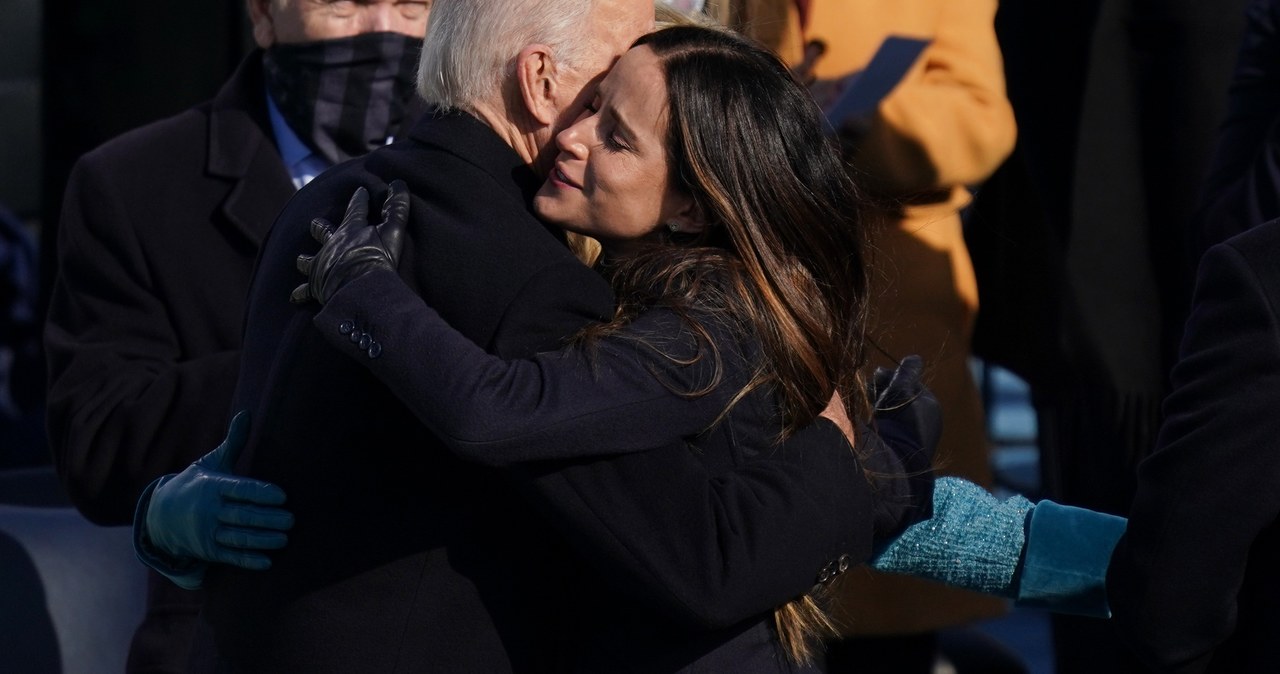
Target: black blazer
{"x": 405, "y": 558}
{"x": 159, "y": 231}
{"x": 1193, "y": 582}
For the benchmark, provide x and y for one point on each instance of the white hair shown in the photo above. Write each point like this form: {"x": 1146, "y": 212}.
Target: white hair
{"x": 471, "y": 45}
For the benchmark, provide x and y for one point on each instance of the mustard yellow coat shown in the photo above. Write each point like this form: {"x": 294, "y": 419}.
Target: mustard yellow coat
{"x": 947, "y": 125}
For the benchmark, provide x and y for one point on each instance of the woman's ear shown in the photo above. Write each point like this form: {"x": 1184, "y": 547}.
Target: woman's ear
{"x": 536, "y": 76}
{"x": 688, "y": 217}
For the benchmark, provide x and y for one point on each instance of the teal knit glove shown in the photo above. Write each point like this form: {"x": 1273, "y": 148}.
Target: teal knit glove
{"x": 973, "y": 540}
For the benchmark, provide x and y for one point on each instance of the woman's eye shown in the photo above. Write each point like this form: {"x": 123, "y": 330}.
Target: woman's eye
{"x": 611, "y": 142}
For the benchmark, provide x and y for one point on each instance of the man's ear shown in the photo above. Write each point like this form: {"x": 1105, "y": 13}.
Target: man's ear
{"x": 264, "y": 29}
{"x": 537, "y": 78}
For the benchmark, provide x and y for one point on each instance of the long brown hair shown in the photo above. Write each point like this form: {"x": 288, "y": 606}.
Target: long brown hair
{"x": 782, "y": 255}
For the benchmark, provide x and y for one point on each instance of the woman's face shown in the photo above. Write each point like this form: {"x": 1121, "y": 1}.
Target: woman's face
{"x": 610, "y": 180}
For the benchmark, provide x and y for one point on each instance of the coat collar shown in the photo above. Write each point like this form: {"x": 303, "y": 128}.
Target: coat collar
{"x": 242, "y": 151}
{"x": 465, "y": 136}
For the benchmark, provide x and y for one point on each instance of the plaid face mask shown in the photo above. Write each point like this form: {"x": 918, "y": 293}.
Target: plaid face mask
{"x": 347, "y": 96}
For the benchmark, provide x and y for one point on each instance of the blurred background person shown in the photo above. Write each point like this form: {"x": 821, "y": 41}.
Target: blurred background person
{"x": 156, "y": 243}
{"x": 1080, "y": 241}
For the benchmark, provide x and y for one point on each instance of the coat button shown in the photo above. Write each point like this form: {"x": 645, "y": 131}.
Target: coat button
{"x": 355, "y": 336}
{"x": 843, "y": 564}
{"x": 365, "y": 341}
{"x": 375, "y": 350}
{"x": 345, "y": 327}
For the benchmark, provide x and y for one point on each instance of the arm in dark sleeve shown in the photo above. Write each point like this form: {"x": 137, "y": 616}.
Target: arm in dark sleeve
{"x": 1210, "y": 486}
{"x": 1242, "y": 189}
{"x": 704, "y": 550}
{"x": 710, "y": 551}
{"x": 573, "y": 402}
{"x": 119, "y": 379}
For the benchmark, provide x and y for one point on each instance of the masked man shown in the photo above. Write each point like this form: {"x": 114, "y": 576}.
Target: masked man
{"x": 159, "y": 232}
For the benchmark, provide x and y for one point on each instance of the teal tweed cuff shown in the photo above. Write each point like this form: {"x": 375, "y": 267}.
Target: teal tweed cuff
{"x": 973, "y": 541}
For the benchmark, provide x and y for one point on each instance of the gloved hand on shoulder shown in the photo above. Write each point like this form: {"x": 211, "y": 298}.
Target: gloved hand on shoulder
{"x": 355, "y": 248}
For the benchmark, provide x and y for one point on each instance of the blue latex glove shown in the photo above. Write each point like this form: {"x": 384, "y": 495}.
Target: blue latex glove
{"x": 206, "y": 514}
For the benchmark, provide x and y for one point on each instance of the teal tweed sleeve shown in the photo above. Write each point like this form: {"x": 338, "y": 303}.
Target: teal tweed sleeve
{"x": 1042, "y": 555}
{"x": 973, "y": 540}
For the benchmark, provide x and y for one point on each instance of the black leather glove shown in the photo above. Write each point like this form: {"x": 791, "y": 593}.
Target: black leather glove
{"x": 908, "y": 419}
{"x": 355, "y": 248}
{"x": 900, "y": 399}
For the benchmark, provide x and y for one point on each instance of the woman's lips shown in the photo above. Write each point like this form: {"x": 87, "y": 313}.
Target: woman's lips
{"x": 559, "y": 177}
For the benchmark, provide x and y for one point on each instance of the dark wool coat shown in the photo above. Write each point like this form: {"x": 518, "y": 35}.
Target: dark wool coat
{"x": 1192, "y": 584}
{"x": 406, "y": 558}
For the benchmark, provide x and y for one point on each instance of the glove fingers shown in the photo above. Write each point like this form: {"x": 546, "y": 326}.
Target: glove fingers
{"x": 357, "y": 209}
{"x": 256, "y": 517}
{"x": 396, "y": 205}
{"x": 395, "y": 219}
{"x": 249, "y": 490}
{"x": 242, "y": 539}
{"x": 321, "y": 230}
{"x": 253, "y": 561}
{"x": 301, "y": 294}
{"x": 910, "y": 370}
{"x": 901, "y": 385}
{"x": 305, "y": 263}
{"x": 880, "y": 381}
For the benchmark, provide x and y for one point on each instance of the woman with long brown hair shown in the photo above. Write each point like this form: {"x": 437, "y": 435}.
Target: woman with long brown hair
{"x": 702, "y": 168}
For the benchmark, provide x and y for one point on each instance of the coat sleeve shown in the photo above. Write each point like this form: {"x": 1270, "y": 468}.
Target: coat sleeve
{"x": 118, "y": 378}
{"x": 574, "y": 402}
{"x": 703, "y": 550}
{"x": 1243, "y": 186}
{"x": 948, "y": 122}
{"x": 707, "y": 551}
{"x": 1209, "y": 488}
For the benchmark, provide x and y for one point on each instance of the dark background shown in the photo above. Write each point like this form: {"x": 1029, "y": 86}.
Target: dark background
{"x": 75, "y": 73}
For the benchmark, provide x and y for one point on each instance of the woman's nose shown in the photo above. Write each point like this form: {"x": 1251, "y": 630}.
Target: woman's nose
{"x": 570, "y": 139}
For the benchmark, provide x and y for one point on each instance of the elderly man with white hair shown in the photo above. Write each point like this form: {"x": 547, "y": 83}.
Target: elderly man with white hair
{"x": 403, "y": 557}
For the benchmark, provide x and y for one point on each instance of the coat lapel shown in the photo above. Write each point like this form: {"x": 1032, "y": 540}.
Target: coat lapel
{"x": 242, "y": 151}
